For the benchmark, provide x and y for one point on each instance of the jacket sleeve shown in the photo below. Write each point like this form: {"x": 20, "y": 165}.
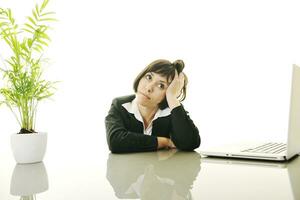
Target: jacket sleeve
{"x": 120, "y": 140}
{"x": 184, "y": 134}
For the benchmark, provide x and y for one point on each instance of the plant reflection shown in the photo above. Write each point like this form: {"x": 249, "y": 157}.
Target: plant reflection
{"x": 29, "y": 179}
{"x": 31, "y": 197}
{"x": 162, "y": 175}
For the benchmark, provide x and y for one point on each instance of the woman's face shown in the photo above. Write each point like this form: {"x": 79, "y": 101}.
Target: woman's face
{"x": 151, "y": 89}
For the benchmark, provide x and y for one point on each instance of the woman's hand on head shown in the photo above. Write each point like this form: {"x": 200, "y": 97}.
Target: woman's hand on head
{"x": 174, "y": 90}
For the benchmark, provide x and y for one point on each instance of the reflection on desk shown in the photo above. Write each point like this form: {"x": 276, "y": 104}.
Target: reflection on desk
{"x": 155, "y": 175}
{"x": 164, "y": 175}
{"x": 249, "y": 179}
{"x": 29, "y": 179}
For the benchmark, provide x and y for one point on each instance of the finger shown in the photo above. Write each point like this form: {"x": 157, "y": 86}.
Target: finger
{"x": 175, "y": 79}
{"x": 181, "y": 79}
{"x": 171, "y": 144}
{"x": 176, "y": 74}
{"x": 181, "y": 76}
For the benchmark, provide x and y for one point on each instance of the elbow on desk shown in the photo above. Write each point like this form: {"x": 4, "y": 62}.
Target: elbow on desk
{"x": 114, "y": 146}
{"x": 115, "y": 150}
{"x": 113, "y": 143}
{"x": 188, "y": 145}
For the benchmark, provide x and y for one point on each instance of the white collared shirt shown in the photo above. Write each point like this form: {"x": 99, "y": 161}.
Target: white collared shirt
{"x": 132, "y": 108}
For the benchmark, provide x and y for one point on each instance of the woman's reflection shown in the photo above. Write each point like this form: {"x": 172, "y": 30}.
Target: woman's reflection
{"x": 29, "y": 179}
{"x": 162, "y": 175}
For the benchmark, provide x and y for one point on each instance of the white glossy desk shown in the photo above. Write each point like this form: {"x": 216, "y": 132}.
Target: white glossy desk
{"x": 156, "y": 175}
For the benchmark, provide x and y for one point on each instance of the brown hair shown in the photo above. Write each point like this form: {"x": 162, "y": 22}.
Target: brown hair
{"x": 166, "y": 69}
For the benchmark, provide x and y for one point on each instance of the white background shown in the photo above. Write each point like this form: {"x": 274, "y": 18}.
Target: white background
{"x": 238, "y": 56}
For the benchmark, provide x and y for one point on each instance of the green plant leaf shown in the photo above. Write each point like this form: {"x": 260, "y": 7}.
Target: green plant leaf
{"x": 47, "y": 13}
{"x": 29, "y": 26}
{"x": 45, "y": 36}
{"x": 44, "y": 5}
{"x": 27, "y": 30}
{"x": 48, "y": 19}
{"x": 24, "y": 85}
{"x": 42, "y": 42}
{"x": 37, "y": 9}
{"x": 35, "y": 15}
{"x": 10, "y": 17}
{"x": 32, "y": 21}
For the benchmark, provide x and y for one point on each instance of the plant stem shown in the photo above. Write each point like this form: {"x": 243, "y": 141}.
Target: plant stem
{"x": 14, "y": 113}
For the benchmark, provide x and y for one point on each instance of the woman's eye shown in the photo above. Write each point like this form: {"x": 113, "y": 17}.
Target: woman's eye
{"x": 161, "y": 86}
{"x": 148, "y": 77}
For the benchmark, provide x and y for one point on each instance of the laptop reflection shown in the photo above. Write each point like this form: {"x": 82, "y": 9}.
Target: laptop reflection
{"x": 249, "y": 179}
{"x": 162, "y": 175}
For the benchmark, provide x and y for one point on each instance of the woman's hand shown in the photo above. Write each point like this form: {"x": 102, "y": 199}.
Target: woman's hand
{"x": 164, "y": 142}
{"x": 174, "y": 90}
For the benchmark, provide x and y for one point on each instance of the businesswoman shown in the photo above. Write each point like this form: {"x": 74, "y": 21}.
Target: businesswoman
{"x": 153, "y": 118}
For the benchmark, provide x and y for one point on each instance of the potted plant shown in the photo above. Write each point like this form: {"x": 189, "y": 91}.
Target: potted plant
{"x": 23, "y": 86}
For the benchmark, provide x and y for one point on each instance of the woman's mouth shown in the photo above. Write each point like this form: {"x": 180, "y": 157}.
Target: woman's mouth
{"x": 145, "y": 95}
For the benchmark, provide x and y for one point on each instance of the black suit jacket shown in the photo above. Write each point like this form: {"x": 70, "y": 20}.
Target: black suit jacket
{"x": 124, "y": 133}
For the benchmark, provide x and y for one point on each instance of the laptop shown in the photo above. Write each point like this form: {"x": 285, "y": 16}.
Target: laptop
{"x": 269, "y": 150}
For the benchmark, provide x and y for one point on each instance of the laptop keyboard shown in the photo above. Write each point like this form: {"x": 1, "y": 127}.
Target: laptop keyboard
{"x": 271, "y": 148}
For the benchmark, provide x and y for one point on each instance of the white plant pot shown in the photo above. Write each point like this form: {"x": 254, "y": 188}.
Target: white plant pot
{"x": 29, "y": 148}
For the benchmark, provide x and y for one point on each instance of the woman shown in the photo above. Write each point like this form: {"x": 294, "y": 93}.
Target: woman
{"x": 153, "y": 118}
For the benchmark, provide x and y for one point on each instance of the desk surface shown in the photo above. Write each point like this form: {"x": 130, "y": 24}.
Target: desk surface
{"x": 157, "y": 175}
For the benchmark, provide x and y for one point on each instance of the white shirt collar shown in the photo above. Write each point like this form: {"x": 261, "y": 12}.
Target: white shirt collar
{"x": 132, "y": 108}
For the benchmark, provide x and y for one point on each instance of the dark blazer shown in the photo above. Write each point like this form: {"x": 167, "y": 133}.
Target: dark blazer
{"x": 124, "y": 133}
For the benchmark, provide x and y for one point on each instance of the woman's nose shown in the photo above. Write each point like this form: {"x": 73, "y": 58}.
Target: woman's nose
{"x": 149, "y": 88}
